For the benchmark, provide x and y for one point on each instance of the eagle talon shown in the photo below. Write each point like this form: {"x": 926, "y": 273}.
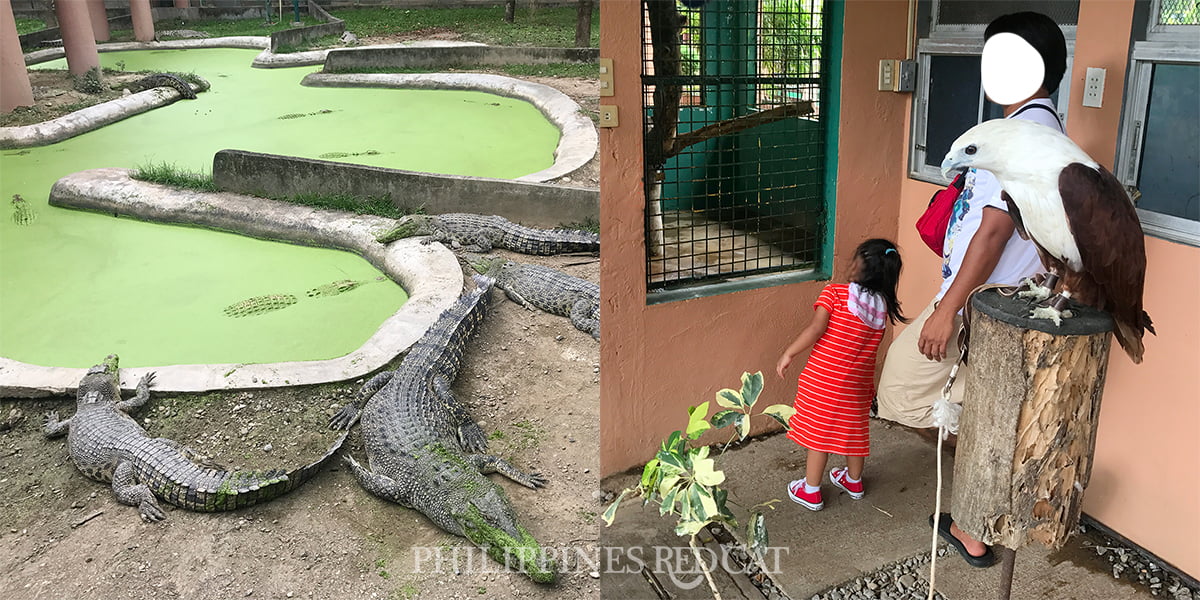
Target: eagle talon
{"x": 1039, "y": 287}
{"x": 1054, "y": 308}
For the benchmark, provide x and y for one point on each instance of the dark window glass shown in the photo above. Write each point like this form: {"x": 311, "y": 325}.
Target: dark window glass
{"x": 1168, "y": 178}
{"x": 953, "y": 103}
{"x": 981, "y": 12}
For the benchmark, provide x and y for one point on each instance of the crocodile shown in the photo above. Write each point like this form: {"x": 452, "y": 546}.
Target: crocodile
{"x": 425, "y": 452}
{"x": 481, "y": 233}
{"x": 170, "y": 80}
{"x": 106, "y": 444}
{"x": 551, "y": 290}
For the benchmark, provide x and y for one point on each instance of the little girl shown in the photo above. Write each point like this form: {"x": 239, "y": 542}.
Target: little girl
{"x": 835, "y": 388}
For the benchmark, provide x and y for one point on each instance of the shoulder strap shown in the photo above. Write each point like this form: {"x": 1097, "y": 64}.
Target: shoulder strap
{"x": 1041, "y": 106}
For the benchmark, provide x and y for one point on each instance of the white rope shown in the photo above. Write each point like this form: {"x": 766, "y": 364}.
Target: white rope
{"x": 937, "y": 516}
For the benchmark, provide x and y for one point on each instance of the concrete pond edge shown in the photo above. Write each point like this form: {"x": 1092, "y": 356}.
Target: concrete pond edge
{"x": 87, "y": 119}
{"x": 429, "y": 273}
{"x": 579, "y": 139}
{"x": 578, "y": 143}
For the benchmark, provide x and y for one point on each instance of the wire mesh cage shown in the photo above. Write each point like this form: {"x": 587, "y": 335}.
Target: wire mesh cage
{"x": 734, "y": 138}
{"x": 1178, "y": 12}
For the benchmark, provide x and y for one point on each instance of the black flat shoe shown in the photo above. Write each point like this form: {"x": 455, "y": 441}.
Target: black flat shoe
{"x": 982, "y": 561}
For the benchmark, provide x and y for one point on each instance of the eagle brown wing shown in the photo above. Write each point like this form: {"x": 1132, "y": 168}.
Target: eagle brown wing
{"x": 1112, "y": 248}
{"x": 1015, "y": 213}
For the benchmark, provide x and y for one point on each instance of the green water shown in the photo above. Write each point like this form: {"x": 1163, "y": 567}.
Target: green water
{"x": 76, "y": 286}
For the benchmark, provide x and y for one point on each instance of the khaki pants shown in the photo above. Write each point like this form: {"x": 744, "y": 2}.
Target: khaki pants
{"x": 910, "y": 382}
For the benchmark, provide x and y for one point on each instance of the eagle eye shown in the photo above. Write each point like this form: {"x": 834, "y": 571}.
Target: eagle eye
{"x": 970, "y": 149}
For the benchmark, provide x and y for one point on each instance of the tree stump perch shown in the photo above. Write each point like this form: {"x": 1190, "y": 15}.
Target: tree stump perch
{"x": 1027, "y": 432}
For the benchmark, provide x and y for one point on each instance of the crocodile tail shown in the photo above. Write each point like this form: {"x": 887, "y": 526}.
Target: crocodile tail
{"x": 546, "y": 242}
{"x": 483, "y": 283}
{"x": 247, "y": 488}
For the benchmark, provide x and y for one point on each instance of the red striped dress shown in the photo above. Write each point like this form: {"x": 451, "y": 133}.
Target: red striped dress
{"x": 835, "y": 388}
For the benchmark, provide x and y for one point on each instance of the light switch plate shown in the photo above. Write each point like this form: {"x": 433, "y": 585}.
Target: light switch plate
{"x": 887, "y": 74}
{"x": 606, "y": 77}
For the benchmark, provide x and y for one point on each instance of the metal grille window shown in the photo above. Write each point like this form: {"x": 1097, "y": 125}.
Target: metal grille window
{"x": 1160, "y": 131}
{"x": 1172, "y": 13}
{"x": 734, "y": 138}
{"x": 958, "y": 16}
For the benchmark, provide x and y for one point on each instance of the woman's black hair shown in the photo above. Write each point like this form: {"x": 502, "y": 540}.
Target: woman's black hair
{"x": 879, "y": 271}
{"x": 1043, "y": 34}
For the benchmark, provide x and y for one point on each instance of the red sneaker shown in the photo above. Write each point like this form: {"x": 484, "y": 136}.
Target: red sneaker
{"x": 839, "y": 478}
{"x": 799, "y": 496}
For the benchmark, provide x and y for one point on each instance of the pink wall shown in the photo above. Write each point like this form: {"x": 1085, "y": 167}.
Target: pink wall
{"x": 657, "y": 360}
{"x": 1146, "y": 479}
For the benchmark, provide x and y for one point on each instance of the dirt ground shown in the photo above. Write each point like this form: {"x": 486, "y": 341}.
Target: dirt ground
{"x": 530, "y": 378}
{"x": 532, "y": 381}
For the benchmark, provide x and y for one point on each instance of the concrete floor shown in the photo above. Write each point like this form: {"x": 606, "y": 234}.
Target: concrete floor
{"x": 849, "y": 538}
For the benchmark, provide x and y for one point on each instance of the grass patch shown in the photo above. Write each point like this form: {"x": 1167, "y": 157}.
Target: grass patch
{"x": 220, "y": 27}
{"x": 582, "y": 70}
{"x": 25, "y": 26}
{"x": 406, "y": 592}
{"x": 546, "y": 26}
{"x": 325, "y": 41}
{"x": 528, "y": 436}
{"x": 591, "y": 224}
{"x": 371, "y": 205}
{"x": 170, "y": 174}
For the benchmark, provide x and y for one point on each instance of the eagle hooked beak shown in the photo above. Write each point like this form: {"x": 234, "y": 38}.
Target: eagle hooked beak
{"x": 958, "y": 160}
{"x": 950, "y": 165}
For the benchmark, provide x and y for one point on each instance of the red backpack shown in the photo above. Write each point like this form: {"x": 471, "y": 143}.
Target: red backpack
{"x": 933, "y": 224}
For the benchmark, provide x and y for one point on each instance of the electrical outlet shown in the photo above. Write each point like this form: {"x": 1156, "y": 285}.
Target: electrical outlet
{"x": 608, "y": 115}
{"x": 887, "y": 74}
{"x": 1093, "y": 88}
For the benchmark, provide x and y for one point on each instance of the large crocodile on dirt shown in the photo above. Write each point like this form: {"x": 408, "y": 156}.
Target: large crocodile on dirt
{"x": 425, "y": 452}
{"x": 551, "y": 290}
{"x": 481, "y": 233}
{"x": 106, "y": 444}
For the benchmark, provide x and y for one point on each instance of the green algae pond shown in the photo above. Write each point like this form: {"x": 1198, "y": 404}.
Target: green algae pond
{"x": 76, "y": 286}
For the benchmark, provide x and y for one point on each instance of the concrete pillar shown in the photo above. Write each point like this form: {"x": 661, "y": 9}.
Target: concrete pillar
{"x": 14, "y": 79}
{"x": 181, "y": 3}
{"x": 143, "y": 20}
{"x": 99, "y": 20}
{"x": 78, "y": 42}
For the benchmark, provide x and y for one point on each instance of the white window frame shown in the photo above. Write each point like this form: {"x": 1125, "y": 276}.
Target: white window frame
{"x": 1161, "y": 50}
{"x": 928, "y": 47}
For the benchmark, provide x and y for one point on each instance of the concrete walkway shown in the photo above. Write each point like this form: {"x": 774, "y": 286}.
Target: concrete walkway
{"x": 846, "y": 540}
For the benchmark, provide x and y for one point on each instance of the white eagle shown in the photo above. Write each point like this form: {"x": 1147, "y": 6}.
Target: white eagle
{"x": 1077, "y": 213}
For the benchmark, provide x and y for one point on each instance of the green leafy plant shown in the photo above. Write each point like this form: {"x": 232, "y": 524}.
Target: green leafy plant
{"x": 90, "y": 82}
{"x": 683, "y": 479}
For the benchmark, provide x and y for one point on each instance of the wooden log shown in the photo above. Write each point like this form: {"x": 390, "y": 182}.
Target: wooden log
{"x": 1028, "y": 427}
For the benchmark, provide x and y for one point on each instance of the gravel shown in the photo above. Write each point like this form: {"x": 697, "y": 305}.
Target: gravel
{"x": 1139, "y": 568}
{"x": 901, "y": 580}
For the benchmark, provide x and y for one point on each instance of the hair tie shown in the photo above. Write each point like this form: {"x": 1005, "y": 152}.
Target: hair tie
{"x": 889, "y": 251}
